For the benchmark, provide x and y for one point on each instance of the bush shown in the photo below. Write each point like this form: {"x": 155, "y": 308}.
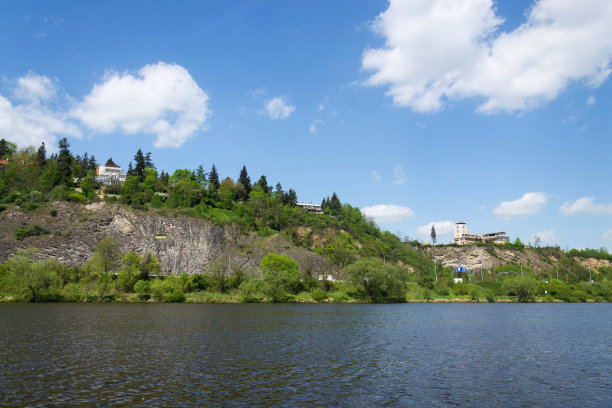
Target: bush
{"x": 318, "y": 294}
{"x": 32, "y": 230}
{"x": 31, "y": 206}
{"x": 53, "y": 213}
{"x": 249, "y": 290}
{"x": 161, "y": 287}
{"x": 75, "y": 197}
{"x": 143, "y": 289}
{"x": 175, "y": 296}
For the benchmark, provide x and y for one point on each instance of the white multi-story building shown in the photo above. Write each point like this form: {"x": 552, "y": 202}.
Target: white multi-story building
{"x": 315, "y": 208}
{"x": 110, "y": 173}
{"x": 461, "y": 236}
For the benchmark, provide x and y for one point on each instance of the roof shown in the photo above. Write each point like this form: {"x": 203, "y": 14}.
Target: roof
{"x": 111, "y": 163}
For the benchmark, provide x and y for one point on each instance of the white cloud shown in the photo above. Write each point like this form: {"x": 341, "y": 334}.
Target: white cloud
{"x": 375, "y": 175}
{"x": 32, "y": 122}
{"x": 279, "y": 108}
{"x": 388, "y": 213}
{"x": 547, "y": 237}
{"x": 313, "y": 126}
{"x": 400, "y": 175}
{"x": 160, "y": 99}
{"x": 35, "y": 88}
{"x": 607, "y": 235}
{"x": 585, "y": 205}
{"x": 453, "y": 49}
{"x": 528, "y": 204}
{"x": 591, "y": 100}
{"x": 442, "y": 228}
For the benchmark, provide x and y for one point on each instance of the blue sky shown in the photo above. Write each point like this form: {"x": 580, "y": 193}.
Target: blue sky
{"x": 495, "y": 113}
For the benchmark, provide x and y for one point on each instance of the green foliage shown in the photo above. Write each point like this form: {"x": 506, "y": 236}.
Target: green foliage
{"x": 524, "y": 289}
{"x": 601, "y": 253}
{"x": 249, "y": 290}
{"x": 143, "y": 289}
{"x": 32, "y": 230}
{"x": 129, "y": 271}
{"x": 318, "y": 294}
{"x": 281, "y": 275}
{"x": 32, "y": 277}
{"x": 161, "y": 287}
{"x": 107, "y": 254}
{"x": 379, "y": 281}
{"x": 176, "y": 296}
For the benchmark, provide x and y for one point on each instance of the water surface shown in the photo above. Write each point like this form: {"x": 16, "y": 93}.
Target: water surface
{"x": 509, "y": 355}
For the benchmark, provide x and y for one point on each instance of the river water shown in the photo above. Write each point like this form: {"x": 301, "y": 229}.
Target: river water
{"x": 188, "y": 355}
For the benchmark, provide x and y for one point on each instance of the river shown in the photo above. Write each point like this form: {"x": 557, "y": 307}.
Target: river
{"x": 314, "y": 355}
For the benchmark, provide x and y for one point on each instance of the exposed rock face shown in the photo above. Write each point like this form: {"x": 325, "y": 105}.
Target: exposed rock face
{"x": 180, "y": 243}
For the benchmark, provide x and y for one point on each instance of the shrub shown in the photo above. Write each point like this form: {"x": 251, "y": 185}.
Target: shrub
{"x": 34, "y": 229}
{"x": 249, "y": 289}
{"x": 318, "y": 294}
{"x": 200, "y": 282}
{"x": 175, "y": 296}
{"x": 143, "y": 289}
{"x": 53, "y": 213}
{"x": 31, "y": 206}
{"x": 75, "y": 197}
{"x": 161, "y": 287}
{"x": 339, "y": 297}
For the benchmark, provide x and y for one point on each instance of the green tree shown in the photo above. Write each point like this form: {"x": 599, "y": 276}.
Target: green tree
{"x": 524, "y": 289}
{"x": 263, "y": 183}
{"x": 107, "y": 251}
{"x": 214, "y": 179}
{"x": 7, "y": 149}
{"x": 65, "y": 161}
{"x": 89, "y": 184}
{"x": 129, "y": 271}
{"x": 32, "y": 276}
{"x": 281, "y": 275}
{"x": 42, "y": 155}
{"x": 149, "y": 266}
{"x": 380, "y": 281}
{"x": 245, "y": 180}
{"x": 433, "y": 234}
{"x": 141, "y": 164}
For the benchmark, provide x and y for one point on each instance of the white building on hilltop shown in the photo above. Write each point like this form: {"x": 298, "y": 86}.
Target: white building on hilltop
{"x": 461, "y": 236}
{"x": 110, "y": 173}
{"x": 315, "y": 208}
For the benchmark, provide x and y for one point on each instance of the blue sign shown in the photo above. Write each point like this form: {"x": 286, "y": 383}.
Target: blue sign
{"x": 461, "y": 269}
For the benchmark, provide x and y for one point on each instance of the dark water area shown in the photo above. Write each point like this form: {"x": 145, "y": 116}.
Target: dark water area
{"x": 188, "y": 355}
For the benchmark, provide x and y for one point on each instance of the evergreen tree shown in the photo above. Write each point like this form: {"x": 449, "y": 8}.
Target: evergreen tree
{"x": 41, "y": 156}
{"x": 245, "y": 180}
{"x": 65, "y": 160}
{"x": 7, "y": 149}
{"x": 291, "y": 197}
{"x": 335, "y": 205}
{"x": 130, "y": 171}
{"x": 140, "y": 165}
{"x": 200, "y": 176}
{"x": 92, "y": 165}
{"x": 433, "y": 234}
{"x": 263, "y": 183}
{"x": 213, "y": 178}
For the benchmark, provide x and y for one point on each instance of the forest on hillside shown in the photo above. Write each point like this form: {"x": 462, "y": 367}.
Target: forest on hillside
{"x": 378, "y": 265}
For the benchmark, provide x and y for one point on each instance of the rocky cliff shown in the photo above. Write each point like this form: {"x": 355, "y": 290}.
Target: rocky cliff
{"x": 180, "y": 243}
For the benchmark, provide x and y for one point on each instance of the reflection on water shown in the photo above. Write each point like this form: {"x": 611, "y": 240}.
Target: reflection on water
{"x": 305, "y": 355}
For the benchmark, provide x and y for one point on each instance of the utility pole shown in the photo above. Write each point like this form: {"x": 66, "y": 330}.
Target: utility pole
{"x": 521, "y": 270}
{"x": 557, "y": 266}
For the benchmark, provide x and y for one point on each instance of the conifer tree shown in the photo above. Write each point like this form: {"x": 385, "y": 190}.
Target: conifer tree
{"x": 41, "y": 156}
{"x": 65, "y": 160}
{"x": 140, "y": 165}
{"x": 263, "y": 183}
{"x": 213, "y": 178}
{"x": 245, "y": 180}
{"x": 433, "y": 234}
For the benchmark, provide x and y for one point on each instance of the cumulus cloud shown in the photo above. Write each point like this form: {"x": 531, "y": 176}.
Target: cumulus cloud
{"x": 313, "y": 126}
{"x": 585, "y": 205}
{"x": 388, "y": 213}
{"x": 453, "y": 49}
{"x": 30, "y": 120}
{"x": 528, "y": 204}
{"x": 442, "y": 228}
{"x": 160, "y": 99}
{"x": 547, "y": 237}
{"x": 400, "y": 175}
{"x": 34, "y": 88}
{"x": 279, "y": 108}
